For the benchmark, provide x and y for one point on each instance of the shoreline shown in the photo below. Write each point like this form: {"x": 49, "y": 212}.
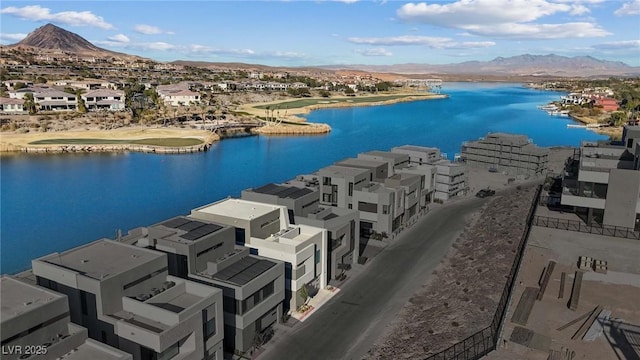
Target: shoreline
{"x": 295, "y": 124}
{"x": 22, "y": 143}
{"x": 295, "y": 115}
{"x": 613, "y": 132}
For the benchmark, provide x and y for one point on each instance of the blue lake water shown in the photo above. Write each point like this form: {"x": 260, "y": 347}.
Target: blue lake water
{"x": 54, "y": 202}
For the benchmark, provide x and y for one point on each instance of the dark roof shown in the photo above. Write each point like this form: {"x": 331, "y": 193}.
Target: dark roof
{"x": 194, "y": 229}
{"x": 244, "y": 270}
{"x": 291, "y": 192}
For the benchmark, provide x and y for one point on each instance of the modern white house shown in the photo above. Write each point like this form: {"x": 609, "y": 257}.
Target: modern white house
{"x": 35, "y": 324}
{"x": 253, "y": 286}
{"x": 450, "y": 178}
{"x": 602, "y": 181}
{"x": 506, "y": 153}
{"x": 267, "y": 230}
{"x": 302, "y": 201}
{"x": 125, "y": 297}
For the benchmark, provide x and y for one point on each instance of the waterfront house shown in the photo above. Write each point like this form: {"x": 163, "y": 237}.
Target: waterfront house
{"x": 103, "y": 99}
{"x": 302, "y": 201}
{"x": 602, "y": 181}
{"x": 125, "y": 297}
{"x": 36, "y": 319}
{"x": 394, "y": 160}
{"x": 338, "y": 184}
{"x": 253, "y": 286}
{"x": 607, "y": 104}
{"x": 506, "y": 153}
{"x": 11, "y": 106}
{"x": 55, "y": 100}
{"x": 267, "y": 230}
{"x": 447, "y": 179}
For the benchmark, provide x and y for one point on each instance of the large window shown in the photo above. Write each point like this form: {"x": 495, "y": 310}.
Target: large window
{"x": 210, "y": 328}
{"x": 170, "y": 352}
{"x": 368, "y": 207}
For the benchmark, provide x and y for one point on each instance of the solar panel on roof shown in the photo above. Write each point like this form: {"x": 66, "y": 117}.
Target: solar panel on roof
{"x": 267, "y": 189}
{"x": 191, "y": 225}
{"x": 201, "y": 231}
{"x": 175, "y": 223}
{"x": 244, "y": 270}
{"x": 300, "y": 192}
{"x": 286, "y": 192}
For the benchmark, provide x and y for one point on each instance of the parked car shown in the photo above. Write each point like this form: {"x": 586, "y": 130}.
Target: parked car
{"x": 485, "y": 192}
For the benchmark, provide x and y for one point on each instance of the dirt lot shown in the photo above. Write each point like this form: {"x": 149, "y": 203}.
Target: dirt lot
{"x": 465, "y": 288}
{"x": 617, "y": 291}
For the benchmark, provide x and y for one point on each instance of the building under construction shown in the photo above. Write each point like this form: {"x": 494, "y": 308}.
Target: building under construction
{"x": 506, "y": 153}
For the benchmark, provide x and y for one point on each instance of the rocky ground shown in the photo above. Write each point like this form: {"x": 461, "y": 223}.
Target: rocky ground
{"x": 463, "y": 293}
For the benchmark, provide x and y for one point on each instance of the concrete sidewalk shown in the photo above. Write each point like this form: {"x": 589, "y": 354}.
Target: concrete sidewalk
{"x": 316, "y": 302}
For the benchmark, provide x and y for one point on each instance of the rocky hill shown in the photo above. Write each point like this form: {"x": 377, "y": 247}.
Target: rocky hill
{"x": 53, "y": 38}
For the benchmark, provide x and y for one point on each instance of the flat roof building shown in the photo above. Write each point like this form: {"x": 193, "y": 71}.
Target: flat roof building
{"x": 338, "y": 183}
{"x": 508, "y": 153}
{"x": 300, "y": 200}
{"x": 253, "y": 286}
{"x": 602, "y": 181}
{"x": 395, "y": 160}
{"x": 267, "y": 229}
{"x": 420, "y": 155}
{"x": 450, "y": 179}
{"x": 124, "y": 296}
{"x": 35, "y": 323}
{"x": 380, "y": 169}
{"x": 341, "y": 224}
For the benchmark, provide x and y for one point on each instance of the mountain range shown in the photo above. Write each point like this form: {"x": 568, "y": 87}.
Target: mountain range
{"x": 522, "y": 65}
{"x": 53, "y": 38}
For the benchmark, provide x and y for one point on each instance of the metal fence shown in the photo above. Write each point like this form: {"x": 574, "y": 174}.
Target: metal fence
{"x": 579, "y": 226}
{"x": 486, "y": 340}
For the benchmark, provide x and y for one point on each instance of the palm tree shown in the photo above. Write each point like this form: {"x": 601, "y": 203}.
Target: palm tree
{"x": 203, "y": 108}
{"x": 29, "y": 103}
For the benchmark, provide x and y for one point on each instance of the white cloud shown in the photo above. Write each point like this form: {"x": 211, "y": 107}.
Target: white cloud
{"x": 74, "y": 18}
{"x": 12, "y": 37}
{"x": 429, "y": 41}
{"x": 486, "y": 12}
{"x": 121, "y": 38}
{"x": 374, "y": 52}
{"x": 579, "y": 9}
{"x": 630, "y": 8}
{"x": 505, "y": 18}
{"x": 540, "y": 31}
{"x": 150, "y": 30}
{"x": 622, "y": 45}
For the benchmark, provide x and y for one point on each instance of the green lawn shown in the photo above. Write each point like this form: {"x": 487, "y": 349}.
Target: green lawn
{"x": 324, "y": 101}
{"x": 148, "y": 141}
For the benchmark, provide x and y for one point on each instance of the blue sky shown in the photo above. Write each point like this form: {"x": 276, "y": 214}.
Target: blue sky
{"x": 297, "y": 33}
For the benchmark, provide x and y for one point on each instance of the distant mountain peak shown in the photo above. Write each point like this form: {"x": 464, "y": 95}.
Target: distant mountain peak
{"x": 54, "y": 38}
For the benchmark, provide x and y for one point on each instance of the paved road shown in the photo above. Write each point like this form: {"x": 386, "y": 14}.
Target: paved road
{"x": 347, "y": 326}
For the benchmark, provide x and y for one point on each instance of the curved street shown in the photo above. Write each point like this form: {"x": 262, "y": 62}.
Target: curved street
{"x": 350, "y": 323}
